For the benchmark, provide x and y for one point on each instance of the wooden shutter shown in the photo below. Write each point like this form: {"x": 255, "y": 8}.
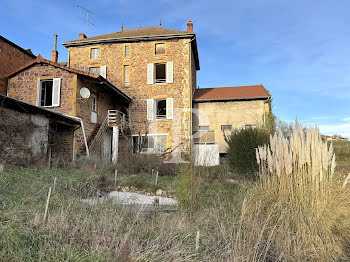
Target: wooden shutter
{"x": 38, "y": 99}
{"x": 170, "y": 72}
{"x": 103, "y": 71}
{"x": 150, "y": 74}
{"x": 86, "y": 69}
{"x": 150, "y": 109}
{"x": 56, "y": 92}
{"x": 169, "y": 108}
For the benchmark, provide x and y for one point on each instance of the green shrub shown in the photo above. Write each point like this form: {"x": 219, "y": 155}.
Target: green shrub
{"x": 241, "y": 152}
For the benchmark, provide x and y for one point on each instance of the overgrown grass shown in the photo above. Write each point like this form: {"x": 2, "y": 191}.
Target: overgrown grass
{"x": 76, "y": 231}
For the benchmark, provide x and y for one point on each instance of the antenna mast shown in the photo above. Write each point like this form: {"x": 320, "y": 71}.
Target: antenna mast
{"x": 88, "y": 23}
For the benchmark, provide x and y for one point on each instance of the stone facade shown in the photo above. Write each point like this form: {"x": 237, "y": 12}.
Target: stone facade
{"x": 23, "y": 86}
{"x": 11, "y": 58}
{"x": 113, "y": 57}
{"x": 238, "y": 114}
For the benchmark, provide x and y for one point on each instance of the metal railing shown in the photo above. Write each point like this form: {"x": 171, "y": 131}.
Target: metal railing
{"x": 204, "y": 136}
{"x": 101, "y": 130}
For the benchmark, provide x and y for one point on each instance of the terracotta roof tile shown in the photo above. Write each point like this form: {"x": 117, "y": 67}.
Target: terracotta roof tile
{"x": 231, "y": 93}
{"x": 138, "y": 32}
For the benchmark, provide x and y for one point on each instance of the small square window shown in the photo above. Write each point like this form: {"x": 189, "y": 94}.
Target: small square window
{"x": 160, "y": 49}
{"x": 161, "y": 108}
{"x": 203, "y": 128}
{"x": 226, "y": 127}
{"x": 95, "y": 53}
{"x": 127, "y": 51}
{"x": 160, "y": 72}
{"x": 46, "y": 92}
{"x": 250, "y": 126}
{"x": 94, "y": 70}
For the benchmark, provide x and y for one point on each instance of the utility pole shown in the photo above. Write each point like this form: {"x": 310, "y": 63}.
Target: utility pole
{"x": 88, "y": 23}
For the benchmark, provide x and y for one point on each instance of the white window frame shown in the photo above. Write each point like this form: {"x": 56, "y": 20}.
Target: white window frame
{"x": 127, "y": 47}
{"x": 156, "y": 108}
{"x": 97, "y": 68}
{"x": 94, "y": 54}
{"x": 56, "y": 92}
{"x": 155, "y": 48}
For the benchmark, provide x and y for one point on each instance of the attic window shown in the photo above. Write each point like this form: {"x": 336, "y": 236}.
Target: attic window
{"x": 160, "y": 49}
{"x": 46, "y": 93}
{"x": 95, "y": 53}
{"x": 160, "y": 72}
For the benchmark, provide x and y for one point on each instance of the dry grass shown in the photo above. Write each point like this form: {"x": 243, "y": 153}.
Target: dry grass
{"x": 298, "y": 211}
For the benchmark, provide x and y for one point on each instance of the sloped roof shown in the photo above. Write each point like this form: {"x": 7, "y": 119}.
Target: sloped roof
{"x": 133, "y": 33}
{"x": 20, "y": 106}
{"x": 27, "y": 51}
{"x": 40, "y": 60}
{"x": 231, "y": 93}
{"x": 138, "y": 34}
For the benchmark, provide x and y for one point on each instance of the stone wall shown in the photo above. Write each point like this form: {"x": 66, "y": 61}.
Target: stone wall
{"x": 27, "y": 139}
{"x": 11, "y": 58}
{"x": 235, "y": 113}
{"x": 141, "y": 53}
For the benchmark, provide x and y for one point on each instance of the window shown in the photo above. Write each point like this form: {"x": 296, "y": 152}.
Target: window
{"x": 160, "y": 49}
{"x": 126, "y": 75}
{"x": 94, "y": 103}
{"x": 49, "y": 92}
{"x": 46, "y": 93}
{"x": 161, "y": 108}
{"x": 203, "y": 128}
{"x": 94, "y": 53}
{"x": 226, "y": 127}
{"x": 95, "y": 70}
{"x": 150, "y": 144}
{"x": 160, "y": 73}
{"x": 250, "y": 126}
{"x": 127, "y": 51}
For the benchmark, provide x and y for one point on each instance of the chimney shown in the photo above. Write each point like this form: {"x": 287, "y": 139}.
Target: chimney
{"x": 82, "y": 36}
{"x": 122, "y": 27}
{"x": 54, "y": 53}
{"x": 189, "y": 26}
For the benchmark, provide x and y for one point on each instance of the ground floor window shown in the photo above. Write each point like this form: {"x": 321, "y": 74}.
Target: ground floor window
{"x": 151, "y": 144}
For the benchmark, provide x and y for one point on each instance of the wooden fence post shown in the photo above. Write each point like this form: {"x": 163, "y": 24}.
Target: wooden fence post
{"x": 47, "y": 206}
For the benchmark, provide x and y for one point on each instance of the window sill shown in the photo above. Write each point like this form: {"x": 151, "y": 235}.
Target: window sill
{"x": 49, "y": 106}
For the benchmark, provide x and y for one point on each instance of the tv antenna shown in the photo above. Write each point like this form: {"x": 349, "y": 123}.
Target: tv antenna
{"x": 88, "y": 23}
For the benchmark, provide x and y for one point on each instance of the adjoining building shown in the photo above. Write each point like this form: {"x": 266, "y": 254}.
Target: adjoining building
{"x": 103, "y": 112}
{"x": 220, "y": 111}
{"x": 12, "y": 57}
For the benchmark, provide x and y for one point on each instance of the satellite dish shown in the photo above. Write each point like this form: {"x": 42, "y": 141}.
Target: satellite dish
{"x": 84, "y": 92}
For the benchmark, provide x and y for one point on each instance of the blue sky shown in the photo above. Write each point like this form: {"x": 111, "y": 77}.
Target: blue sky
{"x": 298, "y": 49}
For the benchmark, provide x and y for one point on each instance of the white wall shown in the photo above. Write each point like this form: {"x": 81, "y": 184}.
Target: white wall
{"x": 206, "y": 154}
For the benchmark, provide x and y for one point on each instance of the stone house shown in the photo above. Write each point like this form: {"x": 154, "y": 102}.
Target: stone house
{"x": 34, "y": 135}
{"x": 222, "y": 109}
{"x": 12, "y": 57}
{"x": 157, "y": 68}
{"x": 103, "y": 109}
